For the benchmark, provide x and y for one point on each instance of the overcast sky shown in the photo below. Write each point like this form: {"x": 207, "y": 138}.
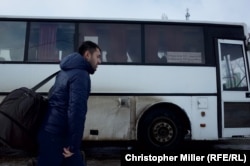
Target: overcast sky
{"x": 200, "y": 10}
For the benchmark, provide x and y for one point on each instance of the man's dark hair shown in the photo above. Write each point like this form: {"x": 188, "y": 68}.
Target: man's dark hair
{"x": 88, "y": 46}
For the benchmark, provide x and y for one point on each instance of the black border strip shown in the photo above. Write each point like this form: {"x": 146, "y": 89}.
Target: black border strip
{"x": 135, "y": 94}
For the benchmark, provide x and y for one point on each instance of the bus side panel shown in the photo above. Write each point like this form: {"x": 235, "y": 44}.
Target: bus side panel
{"x": 14, "y": 76}
{"x": 154, "y": 79}
{"x": 203, "y": 116}
{"x": 108, "y": 118}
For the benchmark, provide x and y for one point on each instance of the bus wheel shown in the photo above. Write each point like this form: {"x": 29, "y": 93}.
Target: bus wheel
{"x": 160, "y": 129}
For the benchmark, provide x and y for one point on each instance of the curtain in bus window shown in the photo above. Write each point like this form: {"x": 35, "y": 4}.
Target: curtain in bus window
{"x": 47, "y": 43}
{"x": 120, "y": 43}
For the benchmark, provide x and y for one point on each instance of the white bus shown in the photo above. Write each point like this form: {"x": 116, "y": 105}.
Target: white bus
{"x": 159, "y": 80}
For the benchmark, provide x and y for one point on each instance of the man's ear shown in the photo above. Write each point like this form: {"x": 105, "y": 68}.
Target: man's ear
{"x": 86, "y": 55}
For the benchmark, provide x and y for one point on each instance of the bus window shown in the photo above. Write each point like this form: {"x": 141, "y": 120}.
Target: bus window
{"x": 50, "y": 42}
{"x": 120, "y": 43}
{"x": 233, "y": 67}
{"x": 12, "y": 40}
{"x": 174, "y": 44}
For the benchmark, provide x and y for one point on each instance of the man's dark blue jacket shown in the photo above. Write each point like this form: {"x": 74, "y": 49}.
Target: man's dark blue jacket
{"x": 68, "y": 100}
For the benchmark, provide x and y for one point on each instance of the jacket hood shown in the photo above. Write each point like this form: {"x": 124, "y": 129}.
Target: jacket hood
{"x": 76, "y": 61}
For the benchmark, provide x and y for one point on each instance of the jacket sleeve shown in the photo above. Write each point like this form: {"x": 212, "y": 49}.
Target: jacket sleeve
{"x": 79, "y": 89}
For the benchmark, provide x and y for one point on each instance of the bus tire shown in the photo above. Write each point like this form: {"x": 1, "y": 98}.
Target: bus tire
{"x": 160, "y": 129}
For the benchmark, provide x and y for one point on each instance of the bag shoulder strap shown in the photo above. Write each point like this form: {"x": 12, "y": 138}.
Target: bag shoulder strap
{"x": 40, "y": 84}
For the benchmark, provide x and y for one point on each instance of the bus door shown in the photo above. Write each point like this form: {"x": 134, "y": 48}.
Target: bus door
{"x": 235, "y": 95}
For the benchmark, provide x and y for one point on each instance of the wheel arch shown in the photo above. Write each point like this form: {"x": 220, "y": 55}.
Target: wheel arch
{"x": 169, "y": 107}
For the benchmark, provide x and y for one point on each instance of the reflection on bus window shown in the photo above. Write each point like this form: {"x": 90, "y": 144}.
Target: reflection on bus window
{"x": 174, "y": 44}
{"x": 12, "y": 40}
{"x": 50, "y": 42}
{"x": 233, "y": 67}
{"x": 120, "y": 43}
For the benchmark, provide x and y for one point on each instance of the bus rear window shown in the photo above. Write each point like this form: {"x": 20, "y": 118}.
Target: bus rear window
{"x": 174, "y": 44}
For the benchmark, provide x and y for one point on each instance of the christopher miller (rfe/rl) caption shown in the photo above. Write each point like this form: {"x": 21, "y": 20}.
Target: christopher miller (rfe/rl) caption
{"x": 185, "y": 157}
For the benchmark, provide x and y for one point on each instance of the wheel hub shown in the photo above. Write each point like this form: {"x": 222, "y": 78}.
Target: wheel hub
{"x": 162, "y": 132}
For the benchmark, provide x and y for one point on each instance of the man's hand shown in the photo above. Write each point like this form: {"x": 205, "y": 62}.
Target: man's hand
{"x": 67, "y": 153}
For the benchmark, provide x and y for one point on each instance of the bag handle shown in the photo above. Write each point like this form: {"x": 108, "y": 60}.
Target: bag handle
{"x": 44, "y": 81}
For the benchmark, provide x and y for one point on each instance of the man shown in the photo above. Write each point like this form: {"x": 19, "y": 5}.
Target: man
{"x": 61, "y": 133}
